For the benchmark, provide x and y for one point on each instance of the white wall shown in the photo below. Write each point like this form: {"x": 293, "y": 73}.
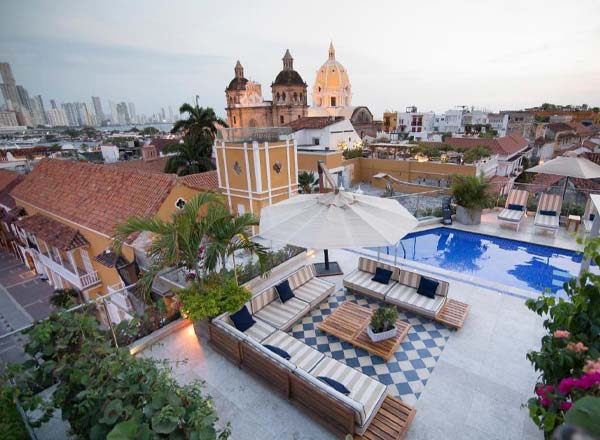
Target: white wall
{"x": 330, "y": 136}
{"x": 110, "y": 153}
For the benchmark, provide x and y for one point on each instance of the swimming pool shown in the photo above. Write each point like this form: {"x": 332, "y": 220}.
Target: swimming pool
{"x": 511, "y": 262}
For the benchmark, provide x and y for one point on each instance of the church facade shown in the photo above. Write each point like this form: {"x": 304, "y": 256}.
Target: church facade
{"x": 331, "y": 96}
{"x": 247, "y": 108}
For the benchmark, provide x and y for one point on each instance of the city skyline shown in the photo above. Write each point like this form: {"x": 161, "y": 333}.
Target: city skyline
{"x": 435, "y": 55}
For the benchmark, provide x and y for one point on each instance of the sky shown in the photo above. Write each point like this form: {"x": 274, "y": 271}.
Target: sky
{"x": 434, "y": 54}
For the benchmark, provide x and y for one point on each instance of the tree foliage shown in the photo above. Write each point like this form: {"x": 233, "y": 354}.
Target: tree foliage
{"x": 308, "y": 182}
{"x": 191, "y": 156}
{"x": 200, "y": 121}
{"x": 105, "y": 392}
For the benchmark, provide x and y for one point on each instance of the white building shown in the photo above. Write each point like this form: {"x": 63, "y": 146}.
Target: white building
{"x": 110, "y": 153}
{"x": 8, "y": 119}
{"x": 324, "y": 132}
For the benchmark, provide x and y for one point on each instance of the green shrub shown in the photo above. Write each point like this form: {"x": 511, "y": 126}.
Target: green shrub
{"x": 11, "y": 425}
{"x": 569, "y": 358}
{"x": 471, "y": 192}
{"x": 211, "y": 297}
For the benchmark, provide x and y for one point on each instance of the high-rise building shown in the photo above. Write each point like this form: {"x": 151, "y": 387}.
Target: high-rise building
{"x": 84, "y": 116}
{"x": 9, "y": 87}
{"x": 123, "y": 114}
{"x": 8, "y": 119}
{"x": 53, "y": 104}
{"x": 38, "y": 110}
{"x": 114, "y": 116}
{"x": 163, "y": 116}
{"x": 132, "y": 114}
{"x": 71, "y": 113}
{"x": 57, "y": 117}
{"x": 98, "y": 109}
{"x": 171, "y": 114}
{"x": 24, "y": 100}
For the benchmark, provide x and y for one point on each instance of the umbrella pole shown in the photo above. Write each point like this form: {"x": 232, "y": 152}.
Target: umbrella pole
{"x": 565, "y": 188}
{"x": 326, "y": 252}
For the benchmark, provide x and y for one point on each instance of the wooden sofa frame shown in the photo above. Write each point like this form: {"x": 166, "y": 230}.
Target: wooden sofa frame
{"x": 332, "y": 412}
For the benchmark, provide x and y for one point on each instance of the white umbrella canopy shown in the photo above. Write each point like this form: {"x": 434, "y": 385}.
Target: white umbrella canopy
{"x": 569, "y": 166}
{"x": 336, "y": 220}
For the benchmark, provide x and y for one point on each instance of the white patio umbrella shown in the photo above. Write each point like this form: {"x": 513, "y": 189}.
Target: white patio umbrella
{"x": 336, "y": 220}
{"x": 568, "y": 166}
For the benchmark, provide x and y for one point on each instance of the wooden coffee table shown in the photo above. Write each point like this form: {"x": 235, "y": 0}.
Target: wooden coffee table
{"x": 349, "y": 323}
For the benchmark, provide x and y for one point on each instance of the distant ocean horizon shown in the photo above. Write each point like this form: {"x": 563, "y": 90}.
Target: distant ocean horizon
{"x": 162, "y": 127}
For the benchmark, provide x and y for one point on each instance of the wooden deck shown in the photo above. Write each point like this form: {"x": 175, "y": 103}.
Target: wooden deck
{"x": 391, "y": 421}
{"x": 454, "y": 313}
{"x": 349, "y": 323}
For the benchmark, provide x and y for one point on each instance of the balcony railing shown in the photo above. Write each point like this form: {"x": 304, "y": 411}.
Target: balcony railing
{"x": 79, "y": 280}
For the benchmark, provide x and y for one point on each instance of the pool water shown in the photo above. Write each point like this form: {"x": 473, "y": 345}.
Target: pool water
{"x": 511, "y": 262}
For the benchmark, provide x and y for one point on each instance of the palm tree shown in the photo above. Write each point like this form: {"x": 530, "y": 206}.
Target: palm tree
{"x": 190, "y": 157}
{"x": 307, "y": 182}
{"x": 229, "y": 234}
{"x": 176, "y": 243}
{"x": 200, "y": 121}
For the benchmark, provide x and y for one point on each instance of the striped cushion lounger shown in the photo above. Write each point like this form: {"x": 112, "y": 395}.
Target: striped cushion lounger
{"x": 367, "y": 392}
{"x": 259, "y": 331}
{"x": 283, "y": 315}
{"x": 548, "y": 202}
{"x": 314, "y": 291}
{"x": 514, "y": 216}
{"x": 301, "y": 355}
{"x": 360, "y": 279}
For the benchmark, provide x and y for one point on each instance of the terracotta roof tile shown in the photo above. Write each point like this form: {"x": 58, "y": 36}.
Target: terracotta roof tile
{"x": 98, "y": 197}
{"x": 201, "y": 181}
{"x": 53, "y": 232}
{"x": 8, "y": 180}
{"x": 151, "y": 166}
{"x": 313, "y": 122}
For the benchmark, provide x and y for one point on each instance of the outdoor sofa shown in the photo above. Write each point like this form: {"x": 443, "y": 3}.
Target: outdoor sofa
{"x": 588, "y": 216}
{"x": 401, "y": 289}
{"x": 547, "y": 216}
{"x": 515, "y": 208}
{"x": 297, "y": 378}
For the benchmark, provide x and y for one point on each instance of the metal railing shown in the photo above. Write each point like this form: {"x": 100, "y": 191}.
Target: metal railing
{"x": 249, "y": 134}
{"x": 423, "y": 204}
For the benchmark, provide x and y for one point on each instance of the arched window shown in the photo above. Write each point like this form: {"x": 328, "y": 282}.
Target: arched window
{"x": 283, "y": 96}
{"x": 277, "y": 96}
{"x": 281, "y": 121}
{"x": 295, "y": 97}
{"x": 333, "y": 102}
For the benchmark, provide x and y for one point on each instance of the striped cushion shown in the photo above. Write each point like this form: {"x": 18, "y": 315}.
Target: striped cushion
{"x": 263, "y": 298}
{"x": 547, "y": 221}
{"x": 517, "y": 197}
{"x": 301, "y": 355}
{"x": 587, "y": 225}
{"x": 283, "y": 315}
{"x": 409, "y": 278}
{"x": 407, "y": 297}
{"x": 266, "y": 352}
{"x": 361, "y": 282}
{"x": 362, "y": 388}
{"x": 314, "y": 291}
{"x": 511, "y": 215}
{"x": 369, "y": 265}
{"x": 550, "y": 202}
{"x": 301, "y": 276}
{"x": 260, "y": 330}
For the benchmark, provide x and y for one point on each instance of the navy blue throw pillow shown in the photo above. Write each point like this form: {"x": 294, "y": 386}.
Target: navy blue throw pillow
{"x": 382, "y": 275}
{"x": 278, "y": 351}
{"x": 334, "y": 384}
{"x": 284, "y": 291}
{"x": 592, "y": 217}
{"x": 242, "y": 319}
{"x": 551, "y": 213}
{"x": 427, "y": 287}
{"x": 515, "y": 207}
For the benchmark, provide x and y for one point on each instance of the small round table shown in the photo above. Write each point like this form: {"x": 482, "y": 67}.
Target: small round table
{"x": 574, "y": 219}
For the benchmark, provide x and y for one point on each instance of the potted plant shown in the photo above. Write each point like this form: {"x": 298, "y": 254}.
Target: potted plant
{"x": 471, "y": 194}
{"x": 383, "y": 324}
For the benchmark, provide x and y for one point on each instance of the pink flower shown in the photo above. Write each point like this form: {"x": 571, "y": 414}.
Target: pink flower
{"x": 550, "y": 388}
{"x": 560, "y": 334}
{"x": 564, "y": 406}
{"x": 566, "y": 384}
{"x": 576, "y": 347}
{"x": 592, "y": 366}
{"x": 545, "y": 402}
{"x": 540, "y": 390}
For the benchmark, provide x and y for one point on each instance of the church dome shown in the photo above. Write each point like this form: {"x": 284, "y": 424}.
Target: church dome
{"x": 332, "y": 75}
{"x": 238, "y": 82}
{"x": 288, "y": 76}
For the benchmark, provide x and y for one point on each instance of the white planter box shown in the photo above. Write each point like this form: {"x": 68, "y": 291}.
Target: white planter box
{"x": 378, "y": 337}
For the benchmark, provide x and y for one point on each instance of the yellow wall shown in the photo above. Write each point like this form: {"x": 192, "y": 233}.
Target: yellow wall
{"x": 308, "y": 161}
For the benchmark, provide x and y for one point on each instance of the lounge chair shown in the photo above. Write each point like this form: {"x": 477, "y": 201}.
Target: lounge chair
{"x": 588, "y": 216}
{"x": 547, "y": 216}
{"x": 515, "y": 208}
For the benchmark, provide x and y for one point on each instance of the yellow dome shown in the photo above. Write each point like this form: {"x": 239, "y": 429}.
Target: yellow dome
{"x": 332, "y": 86}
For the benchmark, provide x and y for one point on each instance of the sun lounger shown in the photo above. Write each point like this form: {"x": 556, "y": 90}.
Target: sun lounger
{"x": 588, "y": 216}
{"x": 515, "y": 208}
{"x": 548, "y": 212}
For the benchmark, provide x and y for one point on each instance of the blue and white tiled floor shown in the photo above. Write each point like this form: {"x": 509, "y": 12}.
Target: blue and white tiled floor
{"x": 407, "y": 374}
